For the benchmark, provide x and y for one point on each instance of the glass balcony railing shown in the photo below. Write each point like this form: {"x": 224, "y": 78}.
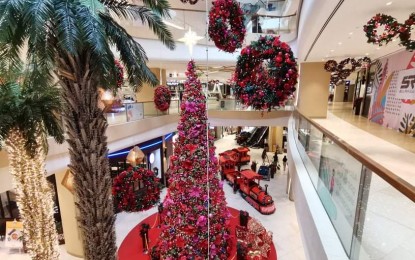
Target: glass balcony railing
{"x": 137, "y": 111}
{"x": 372, "y": 211}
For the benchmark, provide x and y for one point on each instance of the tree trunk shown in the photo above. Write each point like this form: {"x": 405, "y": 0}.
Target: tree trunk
{"x": 86, "y": 127}
{"x": 34, "y": 198}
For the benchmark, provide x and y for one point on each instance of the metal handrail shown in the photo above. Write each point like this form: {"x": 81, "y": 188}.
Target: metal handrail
{"x": 398, "y": 183}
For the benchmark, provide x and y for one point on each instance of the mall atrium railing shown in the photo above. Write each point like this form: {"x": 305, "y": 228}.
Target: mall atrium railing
{"x": 371, "y": 209}
{"x": 140, "y": 110}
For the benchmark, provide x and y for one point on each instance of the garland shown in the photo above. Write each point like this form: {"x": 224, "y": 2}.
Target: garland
{"x": 162, "y": 98}
{"x": 265, "y": 88}
{"x": 226, "y": 25}
{"x": 340, "y": 71}
{"x": 136, "y": 189}
{"x": 120, "y": 73}
{"x": 405, "y": 33}
{"x": 392, "y": 28}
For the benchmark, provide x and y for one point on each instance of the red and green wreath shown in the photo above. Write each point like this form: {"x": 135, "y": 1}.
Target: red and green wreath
{"x": 265, "y": 85}
{"x": 391, "y": 29}
{"x": 405, "y": 33}
{"x": 226, "y": 25}
{"x": 162, "y": 98}
{"x": 136, "y": 189}
{"x": 120, "y": 73}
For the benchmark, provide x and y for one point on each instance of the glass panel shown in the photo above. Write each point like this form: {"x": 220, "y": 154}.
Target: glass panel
{"x": 314, "y": 152}
{"x": 135, "y": 111}
{"x": 304, "y": 133}
{"x": 388, "y": 227}
{"x": 174, "y": 108}
{"x": 5, "y": 204}
{"x": 338, "y": 186}
{"x": 150, "y": 109}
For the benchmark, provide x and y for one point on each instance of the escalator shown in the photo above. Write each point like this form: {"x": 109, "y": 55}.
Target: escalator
{"x": 261, "y": 135}
{"x": 250, "y": 139}
{"x": 256, "y": 136}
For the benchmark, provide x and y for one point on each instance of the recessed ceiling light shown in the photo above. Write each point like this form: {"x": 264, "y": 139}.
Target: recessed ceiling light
{"x": 327, "y": 56}
{"x": 388, "y": 3}
{"x": 339, "y": 43}
{"x": 331, "y": 50}
{"x": 350, "y": 33}
{"x": 367, "y": 53}
{"x": 323, "y": 59}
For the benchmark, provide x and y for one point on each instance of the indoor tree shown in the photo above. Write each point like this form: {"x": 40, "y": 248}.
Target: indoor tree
{"x": 73, "y": 39}
{"x": 196, "y": 219}
{"x": 28, "y": 114}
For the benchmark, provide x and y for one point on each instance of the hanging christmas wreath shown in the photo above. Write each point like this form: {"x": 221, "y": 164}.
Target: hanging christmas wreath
{"x": 162, "y": 98}
{"x": 391, "y": 29}
{"x": 405, "y": 33}
{"x": 226, "y": 25}
{"x": 348, "y": 63}
{"x": 330, "y": 65}
{"x": 120, "y": 74}
{"x": 136, "y": 189}
{"x": 265, "y": 85}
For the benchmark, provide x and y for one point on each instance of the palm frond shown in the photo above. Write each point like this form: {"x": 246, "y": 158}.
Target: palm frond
{"x": 13, "y": 33}
{"x": 145, "y": 15}
{"x": 95, "y": 39}
{"x": 67, "y": 30}
{"x": 9, "y": 105}
{"x": 131, "y": 53}
{"x": 37, "y": 17}
{"x": 160, "y": 7}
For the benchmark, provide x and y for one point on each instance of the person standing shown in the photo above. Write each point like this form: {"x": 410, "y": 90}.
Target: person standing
{"x": 284, "y": 162}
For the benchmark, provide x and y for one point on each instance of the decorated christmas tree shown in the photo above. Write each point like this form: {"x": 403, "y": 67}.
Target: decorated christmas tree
{"x": 195, "y": 215}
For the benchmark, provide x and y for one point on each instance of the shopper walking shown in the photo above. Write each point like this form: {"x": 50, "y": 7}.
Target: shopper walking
{"x": 284, "y": 162}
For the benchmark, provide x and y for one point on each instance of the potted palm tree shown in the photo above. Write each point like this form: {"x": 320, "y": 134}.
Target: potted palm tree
{"x": 28, "y": 114}
{"x": 73, "y": 39}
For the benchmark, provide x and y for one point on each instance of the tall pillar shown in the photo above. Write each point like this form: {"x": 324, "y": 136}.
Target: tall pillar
{"x": 275, "y": 137}
{"x": 147, "y": 91}
{"x": 73, "y": 239}
{"x": 313, "y": 91}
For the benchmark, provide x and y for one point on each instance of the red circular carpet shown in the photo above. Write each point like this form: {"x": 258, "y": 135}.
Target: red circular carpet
{"x": 131, "y": 248}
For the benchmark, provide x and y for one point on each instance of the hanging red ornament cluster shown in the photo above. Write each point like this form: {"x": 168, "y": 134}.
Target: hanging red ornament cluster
{"x": 392, "y": 29}
{"x": 136, "y": 189}
{"x": 162, "y": 98}
{"x": 120, "y": 73}
{"x": 226, "y": 25}
{"x": 340, "y": 71}
{"x": 265, "y": 86}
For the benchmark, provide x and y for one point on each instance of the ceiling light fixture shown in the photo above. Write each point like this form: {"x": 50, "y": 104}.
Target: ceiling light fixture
{"x": 331, "y": 50}
{"x": 339, "y": 43}
{"x": 190, "y": 38}
{"x": 388, "y": 3}
{"x": 350, "y": 33}
{"x": 367, "y": 53}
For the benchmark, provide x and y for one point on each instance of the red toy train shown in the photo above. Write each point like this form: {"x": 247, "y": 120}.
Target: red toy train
{"x": 244, "y": 180}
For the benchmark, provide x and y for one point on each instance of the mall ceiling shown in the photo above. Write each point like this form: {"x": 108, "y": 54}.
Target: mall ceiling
{"x": 327, "y": 29}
